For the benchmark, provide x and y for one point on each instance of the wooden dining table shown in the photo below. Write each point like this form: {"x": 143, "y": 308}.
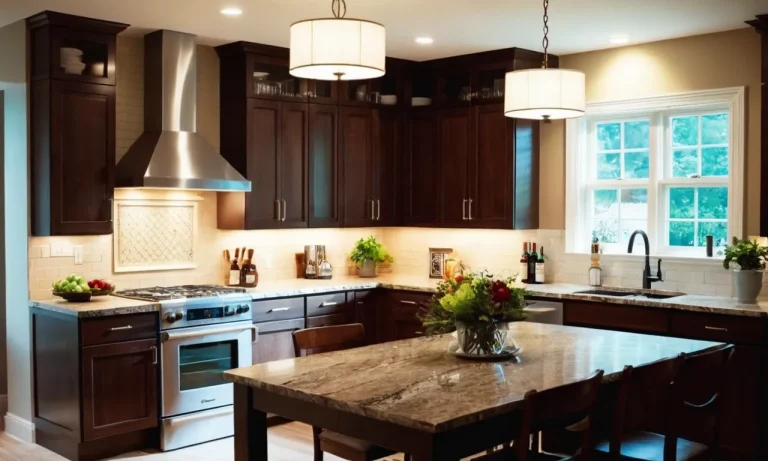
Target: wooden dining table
{"x": 415, "y": 397}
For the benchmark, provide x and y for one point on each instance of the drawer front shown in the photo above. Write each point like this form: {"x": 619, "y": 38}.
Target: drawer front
{"x": 119, "y": 328}
{"x": 278, "y": 309}
{"x": 407, "y": 299}
{"x": 327, "y": 320}
{"x": 326, "y": 304}
{"x": 714, "y": 327}
{"x": 616, "y": 317}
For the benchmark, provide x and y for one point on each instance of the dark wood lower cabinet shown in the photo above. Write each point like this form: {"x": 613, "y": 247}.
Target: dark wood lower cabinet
{"x": 119, "y": 388}
{"x": 93, "y": 402}
{"x": 741, "y": 422}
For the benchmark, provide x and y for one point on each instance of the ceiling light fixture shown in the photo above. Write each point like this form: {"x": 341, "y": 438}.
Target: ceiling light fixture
{"x": 231, "y": 11}
{"x": 337, "y": 48}
{"x": 544, "y": 94}
{"x": 424, "y": 40}
{"x": 619, "y": 39}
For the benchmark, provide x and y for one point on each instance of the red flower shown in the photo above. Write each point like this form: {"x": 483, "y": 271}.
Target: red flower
{"x": 459, "y": 279}
{"x": 500, "y": 295}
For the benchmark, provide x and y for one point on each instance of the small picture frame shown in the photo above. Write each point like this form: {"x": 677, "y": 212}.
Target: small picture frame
{"x": 437, "y": 258}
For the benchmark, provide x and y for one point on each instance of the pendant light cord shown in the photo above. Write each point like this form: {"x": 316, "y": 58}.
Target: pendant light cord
{"x": 339, "y": 8}
{"x": 545, "y": 41}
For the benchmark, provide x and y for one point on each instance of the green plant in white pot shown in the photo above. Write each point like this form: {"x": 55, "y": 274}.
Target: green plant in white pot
{"x": 747, "y": 259}
{"x": 367, "y": 253}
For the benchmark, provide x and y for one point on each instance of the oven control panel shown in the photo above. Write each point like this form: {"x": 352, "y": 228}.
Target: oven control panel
{"x": 187, "y": 316}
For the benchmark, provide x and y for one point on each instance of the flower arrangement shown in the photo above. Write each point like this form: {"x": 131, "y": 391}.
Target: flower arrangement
{"x": 368, "y": 249}
{"x": 476, "y": 303}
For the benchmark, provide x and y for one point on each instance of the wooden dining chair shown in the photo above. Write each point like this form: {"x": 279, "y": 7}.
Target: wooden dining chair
{"x": 571, "y": 406}
{"x": 328, "y": 339}
{"x": 657, "y": 402}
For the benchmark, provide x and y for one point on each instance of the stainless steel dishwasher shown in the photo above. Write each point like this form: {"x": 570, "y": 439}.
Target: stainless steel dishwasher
{"x": 544, "y": 312}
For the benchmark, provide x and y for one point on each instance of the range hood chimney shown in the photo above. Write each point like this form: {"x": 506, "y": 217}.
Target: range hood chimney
{"x": 170, "y": 153}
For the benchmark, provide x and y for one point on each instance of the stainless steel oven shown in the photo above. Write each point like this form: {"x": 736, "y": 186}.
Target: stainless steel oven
{"x": 196, "y": 400}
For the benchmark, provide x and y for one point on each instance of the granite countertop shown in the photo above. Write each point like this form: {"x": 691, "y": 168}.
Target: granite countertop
{"x": 416, "y": 383}
{"x": 554, "y": 291}
{"x": 113, "y": 305}
{"x": 99, "y": 306}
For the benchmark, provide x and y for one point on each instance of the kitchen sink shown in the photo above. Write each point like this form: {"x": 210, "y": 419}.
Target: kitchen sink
{"x": 605, "y": 293}
{"x": 661, "y": 296}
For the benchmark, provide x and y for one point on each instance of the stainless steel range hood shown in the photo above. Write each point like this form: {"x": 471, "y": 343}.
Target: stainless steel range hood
{"x": 170, "y": 154}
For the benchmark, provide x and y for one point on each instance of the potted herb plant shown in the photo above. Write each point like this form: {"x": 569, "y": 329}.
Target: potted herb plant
{"x": 747, "y": 259}
{"x": 367, "y": 253}
{"x": 479, "y": 307}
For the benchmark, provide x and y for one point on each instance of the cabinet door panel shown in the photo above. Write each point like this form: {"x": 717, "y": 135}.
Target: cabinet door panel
{"x": 293, "y": 164}
{"x": 526, "y": 185}
{"x": 82, "y": 158}
{"x": 490, "y": 185}
{"x": 263, "y": 143}
{"x": 119, "y": 388}
{"x": 386, "y": 167}
{"x": 324, "y": 178}
{"x": 275, "y": 340}
{"x": 420, "y": 182}
{"x": 357, "y": 151}
{"x": 456, "y": 144}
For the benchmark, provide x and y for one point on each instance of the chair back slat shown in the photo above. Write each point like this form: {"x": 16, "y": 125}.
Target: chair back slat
{"x": 558, "y": 407}
{"x": 328, "y": 339}
{"x": 703, "y": 378}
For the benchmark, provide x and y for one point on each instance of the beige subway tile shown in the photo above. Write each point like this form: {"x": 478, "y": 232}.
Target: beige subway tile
{"x": 51, "y": 272}
{"x": 92, "y": 258}
{"x": 35, "y": 253}
{"x": 66, "y": 261}
{"x": 40, "y": 294}
{"x": 35, "y": 263}
{"x": 36, "y": 273}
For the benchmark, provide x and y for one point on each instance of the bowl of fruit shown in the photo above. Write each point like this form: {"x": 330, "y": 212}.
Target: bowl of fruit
{"x": 73, "y": 289}
{"x": 100, "y": 287}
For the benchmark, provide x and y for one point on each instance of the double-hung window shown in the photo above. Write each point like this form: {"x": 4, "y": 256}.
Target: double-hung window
{"x": 670, "y": 166}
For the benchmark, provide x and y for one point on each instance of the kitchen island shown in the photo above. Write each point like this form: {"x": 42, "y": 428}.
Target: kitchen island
{"x": 413, "y": 396}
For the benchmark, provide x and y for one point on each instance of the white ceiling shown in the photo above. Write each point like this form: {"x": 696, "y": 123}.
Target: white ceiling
{"x": 458, "y": 26}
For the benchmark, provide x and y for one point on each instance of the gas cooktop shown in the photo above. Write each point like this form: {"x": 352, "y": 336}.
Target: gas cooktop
{"x": 179, "y": 292}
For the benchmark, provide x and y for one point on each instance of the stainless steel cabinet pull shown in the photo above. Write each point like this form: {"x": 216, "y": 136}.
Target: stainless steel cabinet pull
{"x": 111, "y": 209}
{"x": 279, "y": 309}
{"x": 285, "y": 210}
{"x": 359, "y": 303}
{"x": 470, "y": 209}
{"x": 279, "y": 211}
{"x": 126, "y": 327}
{"x": 707, "y": 327}
{"x": 464, "y": 209}
{"x": 373, "y": 210}
{"x": 329, "y": 303}
{"x": 154, "y": 355}
{"x": 413, "y": 303}
{"x": 378, "y": 210}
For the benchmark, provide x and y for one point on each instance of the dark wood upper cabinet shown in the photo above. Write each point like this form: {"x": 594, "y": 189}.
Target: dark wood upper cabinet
{"x": 421, "y": 169}
{"x": 119, "y": 388}
{"x": 293, "y": 164}
{"x": 456, "y": 147}
{"x": 356, "y": 143}
{"x": 325, "y": 203}
{"x": 387, "y": 159}
{"x": 73, "y": 124}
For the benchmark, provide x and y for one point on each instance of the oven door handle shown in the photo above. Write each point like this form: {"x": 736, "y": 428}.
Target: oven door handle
{"x": 169, "y": 335}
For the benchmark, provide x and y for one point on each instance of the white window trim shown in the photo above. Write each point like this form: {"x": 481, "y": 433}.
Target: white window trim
{"x": 576, "y": 145}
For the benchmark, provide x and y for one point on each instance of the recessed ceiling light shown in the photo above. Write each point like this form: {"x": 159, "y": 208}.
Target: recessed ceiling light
{"x": 424, "y": 40}
{"x": 231, "y": 11}
{"x": 619, "y": 39}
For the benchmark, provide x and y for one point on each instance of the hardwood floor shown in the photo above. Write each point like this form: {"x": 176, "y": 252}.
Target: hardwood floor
{"x": 288, "y": 442}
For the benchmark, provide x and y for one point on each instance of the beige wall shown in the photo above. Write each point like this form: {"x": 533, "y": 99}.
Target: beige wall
{"x": 721, "y": 60}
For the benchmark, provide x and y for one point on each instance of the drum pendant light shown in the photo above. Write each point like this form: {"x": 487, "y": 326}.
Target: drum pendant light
{"x": 337, "y": 48}
{"x": 544, "y": 94}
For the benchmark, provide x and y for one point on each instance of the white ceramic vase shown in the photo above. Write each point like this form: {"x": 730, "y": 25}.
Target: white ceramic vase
{"x": 748, "y": 284}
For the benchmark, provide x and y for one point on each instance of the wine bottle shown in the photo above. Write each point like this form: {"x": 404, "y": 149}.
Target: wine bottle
{"x": 540, "y": 266}
{"x": 523, "y": 274}
{"x": 532, "y": 258}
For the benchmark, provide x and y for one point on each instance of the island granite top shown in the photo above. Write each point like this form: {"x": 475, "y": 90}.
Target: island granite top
{"x": 416, "y": 383}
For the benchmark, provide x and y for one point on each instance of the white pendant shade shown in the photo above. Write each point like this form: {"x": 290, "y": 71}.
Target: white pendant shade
{"x": 541, "y": 94}
{"x": 337, "y": 49}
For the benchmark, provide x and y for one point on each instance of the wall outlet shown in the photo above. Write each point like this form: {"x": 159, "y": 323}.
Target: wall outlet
{"x": 57, "y": 249}
{"x": 78, "y": 253}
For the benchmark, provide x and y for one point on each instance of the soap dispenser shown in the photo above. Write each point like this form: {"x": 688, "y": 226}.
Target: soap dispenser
{"x": 595, "y": 271}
